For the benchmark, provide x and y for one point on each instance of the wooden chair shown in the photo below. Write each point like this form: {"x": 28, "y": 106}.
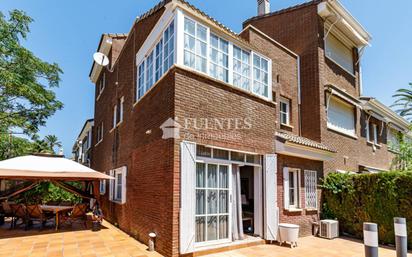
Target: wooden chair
{"x": 77, "y": 215}
{"x": 36, "y": 214}
{"x": 8, "y": 212}
{"x": 19, "y": 212}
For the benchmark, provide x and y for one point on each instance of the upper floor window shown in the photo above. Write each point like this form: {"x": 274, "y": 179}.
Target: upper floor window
{"x": 195, "y": 44}
{"x": 219, "y": 58}
{"x": 337, "y": 51}
{"x": 241, "y": 68}
{"x": 394, "y": 137}
{"x": 260, "y": 75}
{"x": 158, "y": 61}
{"x": 101, "y": 84}
{"x": 100, "y": 133}
{"x": 284, "y": 111}
{"x": 114, "y": 116}
{"x": 341, "y": 116}
{"x": 121, "y": 109}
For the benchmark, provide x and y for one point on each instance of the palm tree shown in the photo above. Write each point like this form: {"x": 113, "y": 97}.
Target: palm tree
{"x": 404, "y": 102}
{"x": 52, "y": 141}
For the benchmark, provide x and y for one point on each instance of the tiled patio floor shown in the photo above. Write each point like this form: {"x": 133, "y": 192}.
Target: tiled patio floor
{"x": 308, "y": 247}
{"x": 109, "y": 241}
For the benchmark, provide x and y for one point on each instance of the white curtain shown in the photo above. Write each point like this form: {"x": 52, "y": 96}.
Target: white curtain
{"x": 237, "y": 225}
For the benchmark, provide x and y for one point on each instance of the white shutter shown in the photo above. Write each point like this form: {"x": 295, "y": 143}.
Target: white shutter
{"x": 311, "y": 196}
{"x": 111, "y": 185}
{"x": 187, "y": 194}
{"x": 124, "y": 185}
{"x": 271, "y": 210}
{"x": 341, "y": 116}
{"x": 286, "y": 187}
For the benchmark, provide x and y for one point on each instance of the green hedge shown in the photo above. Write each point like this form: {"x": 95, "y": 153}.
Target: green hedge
{"x": 378, "y": 198}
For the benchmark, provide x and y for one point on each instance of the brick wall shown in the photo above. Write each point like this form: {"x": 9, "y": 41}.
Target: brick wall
{"x": 305, "y": 217}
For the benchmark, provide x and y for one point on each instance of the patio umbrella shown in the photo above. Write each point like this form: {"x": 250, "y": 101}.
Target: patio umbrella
{"x": 32, "y": 167}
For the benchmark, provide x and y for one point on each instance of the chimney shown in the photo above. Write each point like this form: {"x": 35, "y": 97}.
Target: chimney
{"x": 263, "y": 7}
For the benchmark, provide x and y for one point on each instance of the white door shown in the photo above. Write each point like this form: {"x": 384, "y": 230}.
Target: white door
{"x": 271, "y": 210}
{"x": 213, "y": 190}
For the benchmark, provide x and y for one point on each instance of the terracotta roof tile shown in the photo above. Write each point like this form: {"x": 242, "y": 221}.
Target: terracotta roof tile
{"x": 303, "y": 141}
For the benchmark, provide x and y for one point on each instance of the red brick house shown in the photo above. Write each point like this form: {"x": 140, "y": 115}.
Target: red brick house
{"x": 215, "y": 137}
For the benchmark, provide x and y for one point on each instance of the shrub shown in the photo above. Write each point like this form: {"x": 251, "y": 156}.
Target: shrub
{"x": 378, "y": 198}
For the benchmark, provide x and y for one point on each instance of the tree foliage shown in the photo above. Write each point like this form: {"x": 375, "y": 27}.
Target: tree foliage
{"x": 403, "y": 102}
{"x": 26, "y": 81}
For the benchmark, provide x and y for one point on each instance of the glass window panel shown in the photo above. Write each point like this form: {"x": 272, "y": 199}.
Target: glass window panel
{"x": 200, "y": 229}
{"x": 223, "y": 227}
{"x": 200, "y": 201}
{"x": 203, "y": 151}
{"x": 212, "y": 228}
{"x": 189, "y": 26}
{"x": 201, "y": 32}
{"x": 220, "y": 154}
{"x": 190, "y": 42}
{"x": 200, "y": 175}
{"x": 212, "y": 176}
{"x": 236, "y": 156}
{"x": 223, "y": 176}
{"x": 212, "y": 201}
{"x": 250, "y": 158}
{"x": 223, "y": 201}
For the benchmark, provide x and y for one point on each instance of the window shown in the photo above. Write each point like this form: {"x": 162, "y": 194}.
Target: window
{"x": 341, "y": 116}
{"x": 121, "y": 109}
{"x": 311, "y": 196}
{"x": 220, "y": 154}
{"x": 100, "y": 133}
{"x": 195, "y": 45}
{"x": 260, "y": 75}
{"x": 141, "y": 81}
{"x": 169, "y": 47}
{"x": 118, "y": 185}
{"x": 114, "y": 116}
{"x": 375, "y": 134}
{"x": 241, "y": 68}
{"x": 203, "y": 151}
{"x": 102, "y": 186}
{"x": 339, "y": 53}
{"x": 101, "y": 84}
{"x": 284, "y": 111}
{"x": 293, "y": 188}
{"x": 212, "y": 202}
{"x": 393, "y": 139}
{"x": 159, "y": 60}
{"x": 219, "y": 58}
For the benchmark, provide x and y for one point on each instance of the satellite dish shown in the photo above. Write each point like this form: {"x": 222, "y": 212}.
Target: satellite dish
{"x": 101, "y": 59}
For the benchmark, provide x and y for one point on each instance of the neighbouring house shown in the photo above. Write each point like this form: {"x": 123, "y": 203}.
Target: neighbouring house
{"x": 215, "y": 136}
{"x": 82, "y": 148}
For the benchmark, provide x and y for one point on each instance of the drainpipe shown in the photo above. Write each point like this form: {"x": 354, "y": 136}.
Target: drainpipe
{"x": 299, "y": 99}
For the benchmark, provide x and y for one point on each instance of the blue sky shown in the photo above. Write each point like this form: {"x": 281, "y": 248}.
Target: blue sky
{"x": 67, "y": 32}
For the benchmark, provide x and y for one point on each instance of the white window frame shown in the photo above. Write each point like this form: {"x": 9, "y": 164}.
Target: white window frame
{"x": 260, "y": 70}
{"x": 393, "y": 134}
{"x": 375, "y": 134}
{"x": 114, "y": 185}
{"x": 286, "y": 102}
{"x": 242, "y": 67}
{"x": 296, "y": 188}
{"x": 329, "y": 55}
{"x": 101, "y": 85}
{"x": 194, "y": 52}
{"x": 121, "y": 110}
{"x": 229, "y": 189}
{"x": 219, "y": 51}
{"x": 100, "y": 133}
{"x": 332, "y": 126}
{"x": 368, "y": 133}
{"x": 311, "y": 188}
{"x": 114, "y": 116}
{"x": 102, "y": 187}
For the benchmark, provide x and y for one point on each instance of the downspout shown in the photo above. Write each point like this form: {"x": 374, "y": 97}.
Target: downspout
{"x": 299, "y": 98}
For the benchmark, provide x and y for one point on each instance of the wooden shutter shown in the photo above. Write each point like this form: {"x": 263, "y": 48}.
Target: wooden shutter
{"x": 187, "y": 194}
{"x": 111, "y": 185}
{"x": 124, "y": 184}
{"x": 271, "y": 211}
{"x": 286, "y": 187}
{"x": 311, "y": 196}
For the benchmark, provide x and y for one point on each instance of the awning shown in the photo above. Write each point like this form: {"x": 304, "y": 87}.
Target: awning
{"x": 32, "y": 167}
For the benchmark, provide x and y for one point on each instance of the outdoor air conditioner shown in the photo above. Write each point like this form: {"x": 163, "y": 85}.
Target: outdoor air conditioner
{"x": 329, "y": 229}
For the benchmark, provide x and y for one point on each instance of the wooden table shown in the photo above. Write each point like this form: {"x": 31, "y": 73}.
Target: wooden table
{"x": 57, "y": 210}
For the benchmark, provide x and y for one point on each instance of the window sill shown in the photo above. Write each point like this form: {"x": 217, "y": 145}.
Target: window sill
{"x": 293, "y": 210}
{"x": 116, "y": 201}
{"x": 342, "y": 132}
{"x": 98, "y": 143}
{"x": 373, "y": 144}
{"x": 311, "y": 209}
{"x": 340, "y": 66}
{"x": 286, "y": 125}
{"x": 394, "y": 151}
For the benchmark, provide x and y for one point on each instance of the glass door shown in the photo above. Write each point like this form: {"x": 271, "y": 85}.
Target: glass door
{"x": 212, "y": 203}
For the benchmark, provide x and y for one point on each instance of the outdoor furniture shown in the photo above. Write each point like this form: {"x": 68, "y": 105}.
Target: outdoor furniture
{"x": 35, "y": 213}
{"x": 79, "y": 214}
{"x": 288, "y": 233}
{"x": 57, "y": 211}
{"x": 8, "y": 212}
{"x": 19, "y": 212}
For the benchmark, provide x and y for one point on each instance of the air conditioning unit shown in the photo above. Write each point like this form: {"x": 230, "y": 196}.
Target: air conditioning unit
{"x": 329, "y": 229}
